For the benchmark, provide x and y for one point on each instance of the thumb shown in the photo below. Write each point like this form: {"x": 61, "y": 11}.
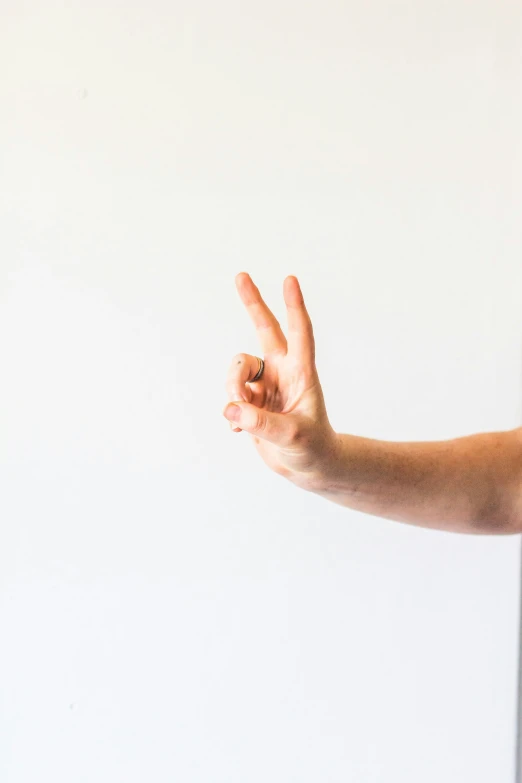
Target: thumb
{"x": 278, "y": 428}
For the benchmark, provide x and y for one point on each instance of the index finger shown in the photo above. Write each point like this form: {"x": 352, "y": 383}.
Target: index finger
{"x": 268, "y": 328}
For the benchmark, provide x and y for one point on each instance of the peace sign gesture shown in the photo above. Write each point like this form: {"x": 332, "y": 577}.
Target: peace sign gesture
{"x": 284, "y": 411}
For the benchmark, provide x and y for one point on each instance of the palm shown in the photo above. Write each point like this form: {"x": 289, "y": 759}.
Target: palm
{"x": 289, "y": 384}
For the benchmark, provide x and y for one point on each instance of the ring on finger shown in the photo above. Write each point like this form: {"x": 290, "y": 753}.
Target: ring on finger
{"x": 259, "y": 372}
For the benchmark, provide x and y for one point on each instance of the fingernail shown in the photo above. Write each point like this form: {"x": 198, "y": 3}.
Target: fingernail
{"x": 232, "y": 412}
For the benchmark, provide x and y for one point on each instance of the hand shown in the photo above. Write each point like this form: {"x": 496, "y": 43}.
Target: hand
{"x": 284, "y": 411}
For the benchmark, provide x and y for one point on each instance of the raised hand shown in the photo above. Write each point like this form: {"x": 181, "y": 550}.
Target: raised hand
{"x": 284, "y": 411}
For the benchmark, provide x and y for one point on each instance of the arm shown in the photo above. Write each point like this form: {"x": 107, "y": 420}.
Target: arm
{"x": 471, "y": 484}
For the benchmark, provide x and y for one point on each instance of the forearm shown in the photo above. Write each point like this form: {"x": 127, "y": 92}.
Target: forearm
{"x": 471, "y": 484}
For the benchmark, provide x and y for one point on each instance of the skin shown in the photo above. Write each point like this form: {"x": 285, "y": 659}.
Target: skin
{"x": 471, "y": 484}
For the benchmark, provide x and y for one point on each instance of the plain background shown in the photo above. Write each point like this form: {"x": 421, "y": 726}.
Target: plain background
{"x": 170, "y": 609}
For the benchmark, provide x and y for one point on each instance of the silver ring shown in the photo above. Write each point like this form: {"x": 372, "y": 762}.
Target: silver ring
{"x": 259, "y": 373}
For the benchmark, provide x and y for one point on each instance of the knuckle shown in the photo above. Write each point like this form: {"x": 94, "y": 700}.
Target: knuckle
{"x": 233, "y": 380}
{"x": 240, "y": 358}
{"x": 261, "y": 424}
{"x": 230, "y": 388}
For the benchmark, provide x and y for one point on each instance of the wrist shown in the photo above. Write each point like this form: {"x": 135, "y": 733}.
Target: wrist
{"x": 329, "y": 468}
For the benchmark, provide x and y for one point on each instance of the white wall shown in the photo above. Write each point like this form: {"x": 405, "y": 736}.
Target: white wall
{"x": 170, "y": 609}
